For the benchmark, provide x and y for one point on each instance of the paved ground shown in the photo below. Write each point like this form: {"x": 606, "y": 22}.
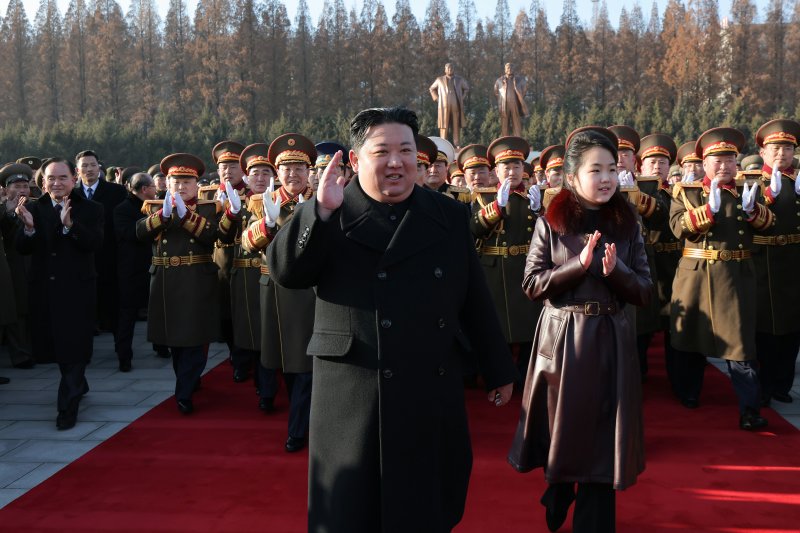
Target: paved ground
{"x": 31, "y": 449}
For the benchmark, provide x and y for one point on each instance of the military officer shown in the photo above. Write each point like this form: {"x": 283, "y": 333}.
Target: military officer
{"x": 160, "y": 180}
{"x": 473, "y": 160}
{"x": 426, "y": 154}
{"x": 183, "y": 310}
{"x": 776, "y": 259}
{"x": 691, "y": 164}
{"x": 752, "y": 162}
{"x": 35, "y": 164}
{"x": 325, "y": 152}
{"x": 503, "y": 223}
{"x": 437, "y": 173}
{"x": 287, "y": 315}
{"x": 552, "y": 160}
{"x": 245, "y": 274}
{"x": 713, "y": 310}
{"x": 456, "y": 176}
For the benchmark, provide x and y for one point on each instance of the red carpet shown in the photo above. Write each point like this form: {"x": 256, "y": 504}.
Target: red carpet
{"x": 224, "y": 469}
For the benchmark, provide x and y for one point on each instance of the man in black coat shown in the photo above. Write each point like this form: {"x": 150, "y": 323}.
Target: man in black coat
{"x": 62, "y": 231}
{"x": 401, "y": 298}
{"x": 110, "y": 194}
{"x": 133, "y": 264}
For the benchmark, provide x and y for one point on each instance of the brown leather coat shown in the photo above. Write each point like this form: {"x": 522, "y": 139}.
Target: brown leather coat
{"x": 581, "y": 416}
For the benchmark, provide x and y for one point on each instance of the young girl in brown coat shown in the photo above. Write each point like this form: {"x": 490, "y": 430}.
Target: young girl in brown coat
{"x": 581, "y": 416}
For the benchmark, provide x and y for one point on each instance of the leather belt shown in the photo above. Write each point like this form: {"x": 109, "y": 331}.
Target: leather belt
{"x": 777, "y": 240}
{"x": 252, "y": 262}
{"x": 181, "y": 260}
{"x": 716, "y": 255}
{"x": 521, "y": 249}
{"x": 265, "y": 270}
{"x": 667, "y": 246}
{"x": 587, "y": 308}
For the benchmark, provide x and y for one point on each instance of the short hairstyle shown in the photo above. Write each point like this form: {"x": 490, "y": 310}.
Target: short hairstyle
{"x": 580, "y": 144}
{"x": 87, "y": 153}
{"x": 51, "y": 160}
{"x": 375, "y": 116}
{"x": 140, "y": 180}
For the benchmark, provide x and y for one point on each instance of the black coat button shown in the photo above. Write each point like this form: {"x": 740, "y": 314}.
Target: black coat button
{"x": 387, "y": 373}
{"x": 382, "y": 275}
{"x": 386, "y": 323}
{"x": 442, "y": 323}
{"x": 437, "y": 272}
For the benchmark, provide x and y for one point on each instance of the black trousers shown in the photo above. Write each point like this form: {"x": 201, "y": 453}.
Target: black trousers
{"x": 188, "y": 364}
{"x": 643, "y": 343}
{"x": 72, "y": 387}
{"x": 266, "y": 381}
{"x": 17, "y": 338}
{"x": 595, "y": 505}
{"x": 123, "y": 340}
{"x": 777, "y": 356}
{"x": 299, "y": 388}
{"x": 690, "y": 369}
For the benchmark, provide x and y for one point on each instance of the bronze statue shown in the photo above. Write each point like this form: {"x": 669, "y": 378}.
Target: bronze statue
{"x": 510, "y": 92}
{"x": 449, "y": 91}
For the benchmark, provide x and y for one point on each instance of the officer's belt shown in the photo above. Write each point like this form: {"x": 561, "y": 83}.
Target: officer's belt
{"x": 666, "y": 246}
{"x": 220, "y": 244}
{"x": 181, "y": 260}
{"x": 777, "y": 240}
{"x": 265, "y": 270}
{"x": 716, "y": 255}
{"x": 252, "y": 262}
{"x": 505, "y": 251}
{"x": 586, "y": 308}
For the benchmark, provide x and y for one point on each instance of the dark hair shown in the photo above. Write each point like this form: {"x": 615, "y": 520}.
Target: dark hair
{"x": 87, "y": 153}
{"x": 375, "y": 116}
{"x": 50, "y": 160}
{"x": 616, "y": 216}
{"x": 140, "y": 180}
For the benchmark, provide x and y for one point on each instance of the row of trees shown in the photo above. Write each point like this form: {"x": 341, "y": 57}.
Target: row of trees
{"x": 136, "y": 87}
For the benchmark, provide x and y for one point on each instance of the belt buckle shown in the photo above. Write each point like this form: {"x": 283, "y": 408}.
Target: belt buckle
{"x": 725, "y": 255}
{"x": 256, "y": 262}
{"x": 591, "y": 308}
{"x": 658, "y": 246}
{"x": 174, "y": 261}
{"x": 781, "y": 240}
{"x": 513, "y": 250}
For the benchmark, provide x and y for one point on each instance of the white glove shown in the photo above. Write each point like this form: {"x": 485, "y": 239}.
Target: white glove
{"x": 749, "y": 198}
{"x": 715, "y": 197}
{"x": 797, "y": 185}
{"x": 502, "y": 193}
{"x": 221, "y": 197}
{"x": 300, "y": 198}
{"x": 166, "y": 210}
{"x": 535, "y": 197}
{"x": 688, "y": 178}
{"x": 775, "y": 182}
{"x": 625, "y": 179}
{"x": 271, "y": 210}
{"x": 233, "y": 196}
{"x": 180, "y": 207}
{"x": 271, "y": 184}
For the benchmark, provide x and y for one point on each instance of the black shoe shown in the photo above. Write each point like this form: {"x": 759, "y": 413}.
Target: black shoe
{"x": 751, "y": 420}
{"x": 782, "y": 397}
{"x": 765, "y": 400}
{"x": 164, "y": 354}
{"x": 557, "y": 500}
{"x": 185, "y": 407}
{"x": 25, "y": 365}
{"x": 125, "y": 365}
{"x": 3, "y": 380}
{"x": 690, "y": 403}
{"x": 240, "y": 375}
{"x": 66, "y": 420}
{"x": 267, "y": 405}
{"x": 295, "y": 444}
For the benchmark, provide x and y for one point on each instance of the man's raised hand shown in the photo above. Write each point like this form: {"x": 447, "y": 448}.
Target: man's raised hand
{"x": 330, "y": 193}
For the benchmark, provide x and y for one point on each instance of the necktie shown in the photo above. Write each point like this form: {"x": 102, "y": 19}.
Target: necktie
{"x": 89, "y": 193}
{"x": 58, "y": 208}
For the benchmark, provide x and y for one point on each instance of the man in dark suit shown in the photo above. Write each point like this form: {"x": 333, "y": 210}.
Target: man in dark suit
{"x": 63, "y": 232}
{"x": 401, "y": 298}
{"x": 133, "y": 264}
{"x": 109, "y": 194}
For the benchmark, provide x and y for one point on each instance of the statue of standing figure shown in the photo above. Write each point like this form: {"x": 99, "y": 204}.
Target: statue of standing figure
{"x": 449, "y": 92}
{"x": 510, "y": 92}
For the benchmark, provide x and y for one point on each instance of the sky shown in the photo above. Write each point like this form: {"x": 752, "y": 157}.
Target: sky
{"x": 485, "y": 8}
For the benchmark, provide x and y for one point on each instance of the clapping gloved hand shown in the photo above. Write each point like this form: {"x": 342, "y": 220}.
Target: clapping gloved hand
{"x": 797, "y": 185}
{"x": 625, "y": 178}
{"x": 233, "y": 197}
{"x": 749, "y": 198}
{"x": 688, "y": 178}
{"x": 775, "y": 184}
{"x": 221, "y": 196}
{"x": 180, "y": 207}
{"x": 272, "y": 208}
{"x": 502, "y": 193}
{"x": 714, "y": 196}
{"x": 166, "y": 210}
{"x": 301, "y": 198}
{"x": 535, "y": 198}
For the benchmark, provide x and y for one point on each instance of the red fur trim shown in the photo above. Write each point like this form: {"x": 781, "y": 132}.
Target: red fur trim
{"x": 564, "y": 213}
{"x": 566, "y": 216}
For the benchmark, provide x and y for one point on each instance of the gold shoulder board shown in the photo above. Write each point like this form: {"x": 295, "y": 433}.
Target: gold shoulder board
{"x": 207, "y": 192}
{"x": 150, "y": 207}
{"x": 484, "y": 190}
